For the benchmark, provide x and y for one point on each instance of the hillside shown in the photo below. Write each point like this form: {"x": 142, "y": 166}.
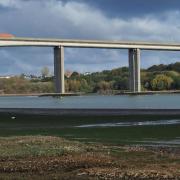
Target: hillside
{"x": 155, "y": 78}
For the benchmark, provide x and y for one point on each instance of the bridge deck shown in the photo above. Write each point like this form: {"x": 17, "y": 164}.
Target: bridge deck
{"x": 16, "y": 41}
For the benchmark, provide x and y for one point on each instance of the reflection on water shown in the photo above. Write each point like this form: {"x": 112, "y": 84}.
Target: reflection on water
{"x": 172, "y": 142}
{"x": 140, "y": 123}
{"x": 169, "y": 101}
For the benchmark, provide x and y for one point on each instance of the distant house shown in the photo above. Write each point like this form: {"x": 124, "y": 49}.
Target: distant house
{"x": 6, "y": 35}
{"x": 31, "y": 77}
{"x": 5, "y": 77}
{"x": 87, "y": 73}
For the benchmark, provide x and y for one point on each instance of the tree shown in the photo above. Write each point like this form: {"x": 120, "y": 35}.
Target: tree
{"x": 84, "y": 86}
{"x": 102, "y": 86}
{"x": 176, "y": 82}
{"x": 161, "y": 82}
{"x": 75, "y": 74}
{"x": 121, "y": 84}
{"x": 73, "y": 85}
{"x": 45, "y": 72}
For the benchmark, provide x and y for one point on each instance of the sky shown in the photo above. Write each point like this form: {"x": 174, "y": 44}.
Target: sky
{"x": 137, "y": 20}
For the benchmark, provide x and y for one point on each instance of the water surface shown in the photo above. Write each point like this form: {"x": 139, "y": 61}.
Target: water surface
{"x": 133, "y": 123}
{"x": 121, "y": 130}
{"x": 169, "y": 101}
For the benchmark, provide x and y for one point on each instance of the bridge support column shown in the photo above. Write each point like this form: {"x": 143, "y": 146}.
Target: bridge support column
{"x": 59, "y": 69}
{"x": 134, "y": 70}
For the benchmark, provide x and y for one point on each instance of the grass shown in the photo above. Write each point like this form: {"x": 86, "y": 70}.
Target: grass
{"x": 47, "y": 157}
{"x": 49, "y": 147}
{"x": 39, "y": 146}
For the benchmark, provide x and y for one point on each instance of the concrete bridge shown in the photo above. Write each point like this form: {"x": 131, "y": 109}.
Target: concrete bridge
{"x": 59, "y": 44}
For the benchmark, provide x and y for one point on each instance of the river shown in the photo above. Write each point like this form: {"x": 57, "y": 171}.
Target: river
{"x": 122, "y": 130}
{"x": 169, "y": 101}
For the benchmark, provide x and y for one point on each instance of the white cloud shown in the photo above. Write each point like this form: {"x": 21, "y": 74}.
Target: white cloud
{"x": 10, "y": 3}
{"x": 78, "y": 20}
{"x": 56, "y": 19}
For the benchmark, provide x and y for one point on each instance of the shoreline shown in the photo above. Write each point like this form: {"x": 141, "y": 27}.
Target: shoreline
{"x": 149, "y": 92}
{"x": 90, "y": 112}
{"x": 82, "y": 93}
{"x": 43, "y": 94}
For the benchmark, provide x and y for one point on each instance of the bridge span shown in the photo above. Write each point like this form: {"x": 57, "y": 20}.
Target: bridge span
{"x": 59, "y": 44}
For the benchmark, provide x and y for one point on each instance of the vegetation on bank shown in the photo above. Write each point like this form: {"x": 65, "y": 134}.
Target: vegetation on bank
{"x": 47, "y": 157}
{"x": 156, "y": 78}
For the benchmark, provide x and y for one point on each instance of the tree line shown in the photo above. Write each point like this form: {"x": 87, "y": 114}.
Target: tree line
{"x": 155, "y": 78}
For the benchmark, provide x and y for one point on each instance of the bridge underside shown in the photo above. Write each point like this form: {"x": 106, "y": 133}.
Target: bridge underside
{"x": 134, "y": 70}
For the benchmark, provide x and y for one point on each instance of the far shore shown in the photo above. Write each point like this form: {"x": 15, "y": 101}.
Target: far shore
{"x": 101, "y": 93}
{"x": 43, "y": 94}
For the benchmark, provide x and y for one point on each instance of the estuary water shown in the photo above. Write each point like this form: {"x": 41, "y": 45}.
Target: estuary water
{"x": 150, "y": 131}
{"x": 162, "y": 101}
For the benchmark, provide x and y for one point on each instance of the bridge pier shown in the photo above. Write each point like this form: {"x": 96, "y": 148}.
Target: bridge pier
{"x": 134, "y": 70}
{"x": 59, "y": 69}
